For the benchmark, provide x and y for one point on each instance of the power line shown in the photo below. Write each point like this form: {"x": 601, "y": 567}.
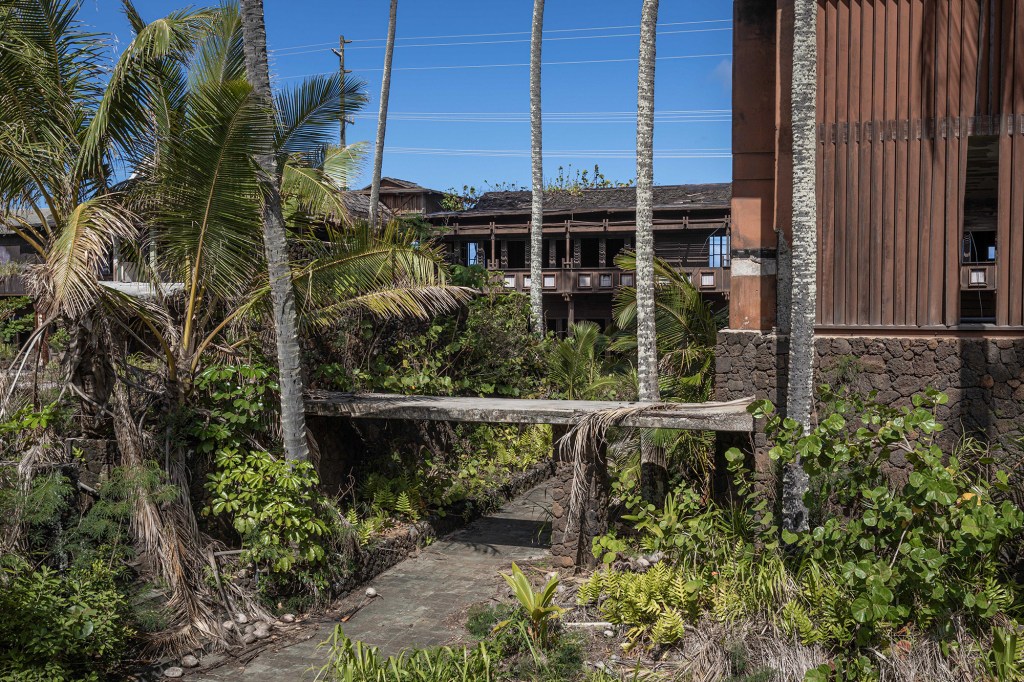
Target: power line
{"x": 509, "y": 33}
{"x": 505, "y": 42}
{"x": 526, "y": 64}
{"x": 721, "y": 153}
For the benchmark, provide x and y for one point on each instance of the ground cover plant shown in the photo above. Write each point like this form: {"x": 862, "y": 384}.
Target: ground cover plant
{"x": 907, "y": 551}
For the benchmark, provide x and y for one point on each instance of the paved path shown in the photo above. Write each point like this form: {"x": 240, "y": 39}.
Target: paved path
{"x": 422, "y": 600}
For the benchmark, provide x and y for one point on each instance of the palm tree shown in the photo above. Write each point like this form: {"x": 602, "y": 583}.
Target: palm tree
{"x": 382, "y": 116}
{"x": 654, "y": 469}
{"x": 799, "y": 404}
{"x": 537, "y": 160}
{"x": 289, "y": 361}
{"x": 686, "y": 329}
{"x": 179, "y": 112}
{"x": 577, "y": 365}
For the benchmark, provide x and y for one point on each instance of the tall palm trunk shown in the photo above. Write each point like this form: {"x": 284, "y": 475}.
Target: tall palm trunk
{"x": 293, "y": 417}
{"x": 537, "y": 156}
{"x": 805, "y": 253}
{"x": 382, "y": 116}
{"x": 653, "y": 467}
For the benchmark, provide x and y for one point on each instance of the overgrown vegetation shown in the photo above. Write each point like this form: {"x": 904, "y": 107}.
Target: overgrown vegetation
{"x": 909, "y": 549}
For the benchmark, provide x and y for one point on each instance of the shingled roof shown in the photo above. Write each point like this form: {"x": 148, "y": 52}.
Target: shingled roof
{"x": 612, "y": 198}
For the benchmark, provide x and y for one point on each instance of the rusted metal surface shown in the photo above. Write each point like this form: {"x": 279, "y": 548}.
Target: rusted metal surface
{"x": 724, "y": 417}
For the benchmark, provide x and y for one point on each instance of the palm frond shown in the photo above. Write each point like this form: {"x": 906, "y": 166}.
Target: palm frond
{"x": 74, "y": 259}
{"x": 311, "y": 111}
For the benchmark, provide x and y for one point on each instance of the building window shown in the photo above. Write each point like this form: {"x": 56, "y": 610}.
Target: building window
{"x": 526, "y": 281}
{"x": 510, "y": 281}
{"x": 719, "y": 252}
{"x": 707, "y": 280}
{"x": 626, "y": 279}
{"x": 605, "y": 280}
{"x": 584, "y": 281}
{"x": 549, "y": 281}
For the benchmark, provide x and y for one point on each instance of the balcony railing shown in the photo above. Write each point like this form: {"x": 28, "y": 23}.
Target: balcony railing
{"x": 607, "y": 280}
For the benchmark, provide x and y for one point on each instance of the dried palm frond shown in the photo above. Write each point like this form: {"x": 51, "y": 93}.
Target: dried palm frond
{"x": 583, "y": 439}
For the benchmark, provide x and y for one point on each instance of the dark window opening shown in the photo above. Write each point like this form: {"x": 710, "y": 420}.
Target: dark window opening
{"x": 590, "y": 253}
{"x": 559, "y": 252}
{"x": 517, "y": 255}
{"x": 978, "y": 306}
{"x": 614, "y": 247}
{"x": 979, "y": 244}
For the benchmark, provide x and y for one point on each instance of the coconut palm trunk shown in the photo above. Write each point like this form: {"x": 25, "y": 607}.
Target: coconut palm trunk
{"x": 537, "y": 156}
{"x": 799, "y": 404}
{"x": 382, "y": 116}
{"x": 653, "y": 467}
{"x": 293, "y": 418}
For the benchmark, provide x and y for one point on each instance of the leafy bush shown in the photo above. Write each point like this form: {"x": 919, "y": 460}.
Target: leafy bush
{"x": 886, "y": 557}
{"x": 57, "y": 627}
{"x": 271, "y": 504}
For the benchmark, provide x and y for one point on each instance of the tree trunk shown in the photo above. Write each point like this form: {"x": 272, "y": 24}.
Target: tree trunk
{"x": 537, "y": 156}
{"x": 805, "y": 254}
{"x": 293, "y": 417}
{"x": 653, "y": 467}
{"x": 382, "y": 117}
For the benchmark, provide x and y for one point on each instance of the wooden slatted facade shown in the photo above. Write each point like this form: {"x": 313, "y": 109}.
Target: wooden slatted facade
{"x": 904, "y": 86}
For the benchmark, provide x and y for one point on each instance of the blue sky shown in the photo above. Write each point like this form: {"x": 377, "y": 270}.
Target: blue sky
{"x": 454, "y": 126}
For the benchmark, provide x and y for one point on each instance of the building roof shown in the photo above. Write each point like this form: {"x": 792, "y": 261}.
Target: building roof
{"x": 709, "y": 195}
{"x": 398, "y": 185}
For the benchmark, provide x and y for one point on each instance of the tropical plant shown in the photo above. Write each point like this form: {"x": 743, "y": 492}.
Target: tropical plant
{"x": 538, "y": 607}
{"x": 350, "y": 661}
{"x": 577, "y": 366}
{"x": 61, "y": 628}
{"x": 382, "y": 116}
{"x": 686, "y": 329}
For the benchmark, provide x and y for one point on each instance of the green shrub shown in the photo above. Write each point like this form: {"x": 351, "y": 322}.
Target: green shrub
{"x": 272, "y": 504}
{"x": 55, "y": 627}
{"x": 881, "y": 560}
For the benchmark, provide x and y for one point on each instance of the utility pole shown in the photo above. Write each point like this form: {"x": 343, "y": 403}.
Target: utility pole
{"x": 344, "y": 72}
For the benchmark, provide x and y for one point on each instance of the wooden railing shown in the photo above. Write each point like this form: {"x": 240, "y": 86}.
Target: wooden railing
{"x": 607, "y": 280}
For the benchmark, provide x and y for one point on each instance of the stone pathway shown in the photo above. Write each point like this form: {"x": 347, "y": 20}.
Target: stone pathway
{"x": 422, "y": 601}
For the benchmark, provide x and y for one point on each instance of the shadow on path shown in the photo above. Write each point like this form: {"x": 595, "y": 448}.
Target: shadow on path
{"x": 421, "y": 598}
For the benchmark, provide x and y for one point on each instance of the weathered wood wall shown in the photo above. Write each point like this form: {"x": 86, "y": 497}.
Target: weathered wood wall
{"x": 902, "y": 86}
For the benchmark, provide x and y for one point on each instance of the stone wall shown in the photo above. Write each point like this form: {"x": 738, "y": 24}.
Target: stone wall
{"x": 572, "y": 543}
{"x": 983, "y": 377}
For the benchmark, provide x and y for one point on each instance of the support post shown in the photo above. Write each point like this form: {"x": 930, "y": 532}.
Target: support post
{"x": 574, "y": 548}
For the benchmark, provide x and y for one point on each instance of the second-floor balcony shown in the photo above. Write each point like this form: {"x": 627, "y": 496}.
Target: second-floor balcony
{"x": 606, "y": 280}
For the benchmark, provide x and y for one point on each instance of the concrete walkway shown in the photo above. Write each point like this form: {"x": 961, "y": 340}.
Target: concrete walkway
{"x": 422, "y": 601}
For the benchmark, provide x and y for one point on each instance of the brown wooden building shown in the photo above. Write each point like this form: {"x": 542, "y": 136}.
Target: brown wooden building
{"x": 404, "y": 197}
{"x": 920, "y": 189}
{"x": 583, "y": 232}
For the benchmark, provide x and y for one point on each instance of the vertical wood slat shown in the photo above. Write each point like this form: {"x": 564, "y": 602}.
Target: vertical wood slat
{"x": 951, "y": 283}
{"x": 937, "y": 103}
{"x": 914, "y": 176}
{"x": 902, "y": 286}
{"x": 828, "y": 78}
{"x": 853, "y": 240}
{"x": 1017, "y": 179}
{"x": 925, "y": 78}
{"x": 879, "y": 236}
{"x": 887, "y": 158}
{"x": 865, "y": 196}
{"x": 819, "y": 193}
{"x": 1004, "y": 236}
{"x": 842, "y": 166}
